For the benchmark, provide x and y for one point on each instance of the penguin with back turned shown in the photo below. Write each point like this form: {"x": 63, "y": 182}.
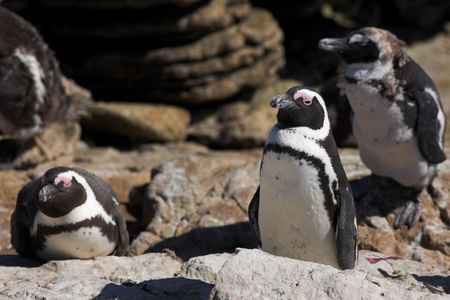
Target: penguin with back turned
{"x": 398, "y": 120}
{"x": 68, "y": 213}
{"x": 303, "y": 207}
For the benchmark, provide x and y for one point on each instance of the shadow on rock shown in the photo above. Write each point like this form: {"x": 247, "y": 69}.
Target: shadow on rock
{"x": 435, "y": 281}
{"x": 166, "y": 288}
{"x": 203, "y": 241}
{"x": 19, "y": 261}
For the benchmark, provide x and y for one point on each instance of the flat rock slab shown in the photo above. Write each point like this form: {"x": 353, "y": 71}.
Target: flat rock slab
{"x": 247, "y": 274}
{"x": 253, "y": 274}
{"x": 139, "y": 122}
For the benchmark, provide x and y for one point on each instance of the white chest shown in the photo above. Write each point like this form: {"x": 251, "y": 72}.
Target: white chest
{"x": 387, "y": 146}
{"x": 293, "y": 219}
{"x": 83, "y": 243}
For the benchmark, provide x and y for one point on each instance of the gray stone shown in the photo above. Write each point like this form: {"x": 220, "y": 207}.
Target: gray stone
{"x": 253, "y": 274}
{"x": 204, "y": 268}
{"x": 138, "y": 121}
{"x": 102, "y": 277}
{"x": 185, "y": 192}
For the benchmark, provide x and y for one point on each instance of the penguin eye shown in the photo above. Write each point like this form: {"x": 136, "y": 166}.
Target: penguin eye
{"x": 307, "y": 101}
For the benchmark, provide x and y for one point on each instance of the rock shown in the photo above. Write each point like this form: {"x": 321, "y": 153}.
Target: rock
{"x": 188, "y": 191}
{"x": 182, "y": 52}
{"x": 138, "y": 121}
{"x": 56, "y": 144}
{"x": 215, "y": 67}
{"x": 160, "y": 276}
{"x": 253, "y": 274}
{"x": 117, "y": 4}
{"x": 164, "y": 21}
{"x": 204, "y": 268}
{"x": 241, "y": 124}
{"x": 99, "y": 278}
{"x": 221, "y": 51}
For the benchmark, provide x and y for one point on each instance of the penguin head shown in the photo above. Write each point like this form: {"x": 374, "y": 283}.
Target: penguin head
{"x": 367, "y": 45}
{"x": 60, "y": 192}
{"x": 300, "y": 107}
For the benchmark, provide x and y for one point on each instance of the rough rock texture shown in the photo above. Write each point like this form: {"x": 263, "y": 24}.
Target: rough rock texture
{"x": 214, "y": 67}
{"x": 161, "y": 21}
{"x": 180, "y": 52}
{"x": 253, "y": 274}
{"x": 248, "y": 274}
{"x": 99, "y": 278}
{"x": 138, "y": 122}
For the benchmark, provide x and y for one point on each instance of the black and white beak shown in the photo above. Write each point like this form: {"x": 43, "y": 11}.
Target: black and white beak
{"x": 282, "y": 101}
{"x": 48, "y": 192}
{"x": 334, "y": 45}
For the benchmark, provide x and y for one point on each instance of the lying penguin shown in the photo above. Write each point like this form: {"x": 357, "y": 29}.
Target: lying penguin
{"x": 303, "y": 207}
{"x": 398, "y": 120}
{"x": 68, "y": 213}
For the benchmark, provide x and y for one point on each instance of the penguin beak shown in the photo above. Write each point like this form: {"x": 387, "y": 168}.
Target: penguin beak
{"x": 282, "y": 101}
{"x": 48, "y": 192}
{"x": 335, "y": 45}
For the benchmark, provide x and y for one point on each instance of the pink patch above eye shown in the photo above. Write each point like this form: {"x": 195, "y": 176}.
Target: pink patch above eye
{"x": 67, "y": 182}
{"x": 304, "y": 97}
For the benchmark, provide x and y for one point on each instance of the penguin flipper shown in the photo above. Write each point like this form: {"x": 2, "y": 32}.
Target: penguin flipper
{"x": 346, "y": 230}
{"x": 124, "y": 240}
{"x": 428, "y": 127}
{"x": 20, "y": 231}
{"x": 253, "y": 209}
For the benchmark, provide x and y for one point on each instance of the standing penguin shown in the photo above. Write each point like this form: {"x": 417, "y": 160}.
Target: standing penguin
{"x": 303, "y": 207}
{"x": 68, "y": 213}
{"x": 398, "y": 119}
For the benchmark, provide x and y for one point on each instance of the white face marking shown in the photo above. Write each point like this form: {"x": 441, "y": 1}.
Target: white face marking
{"x": 36, "y": 71}
{"x": 358, "y": 38}
{"x": 89, "y": 209}
{"x": 292, "y": 217}
{"x": 84, "y": 243}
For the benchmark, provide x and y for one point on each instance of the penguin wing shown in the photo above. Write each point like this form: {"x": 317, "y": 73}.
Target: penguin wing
{"x": 253, "y": 209}
{"x": 346, "y": 228}
{"x": 124, "y": 240}
{"x": 21, "y": 220}
{"x": 20, "y": 231}
{"x": 429, "y": 127}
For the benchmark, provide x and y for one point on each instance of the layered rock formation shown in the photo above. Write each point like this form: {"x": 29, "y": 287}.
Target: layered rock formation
{"x": 181, "y": 52}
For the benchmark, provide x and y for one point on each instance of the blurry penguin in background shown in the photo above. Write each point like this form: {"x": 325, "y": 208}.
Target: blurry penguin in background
{"x": 31, "y": 92}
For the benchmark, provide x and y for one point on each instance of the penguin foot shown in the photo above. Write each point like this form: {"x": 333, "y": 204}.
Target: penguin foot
{"x": 390, "y": 197}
